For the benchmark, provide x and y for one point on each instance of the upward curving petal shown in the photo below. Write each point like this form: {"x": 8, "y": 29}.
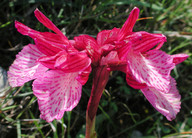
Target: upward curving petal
{"x": 46, "y": 22}
{"x": 49, "y": 37}
{"x": 167, "y": 104}
{"x": 129, "y": 24}
{"x": 152, "y": 68}
{"x": 26, "y": 67}
{"x": 56, "y": 92}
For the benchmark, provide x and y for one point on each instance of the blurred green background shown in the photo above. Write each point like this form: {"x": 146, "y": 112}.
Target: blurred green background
{"x": 123, "y": 112}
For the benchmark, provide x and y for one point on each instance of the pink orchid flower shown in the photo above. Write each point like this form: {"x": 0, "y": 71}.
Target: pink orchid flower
{"x": 146, "y": 68}
{"x": 59, "y": 68}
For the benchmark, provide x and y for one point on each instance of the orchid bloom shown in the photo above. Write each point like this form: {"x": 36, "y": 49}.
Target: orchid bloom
{"x": 59, "y": 68}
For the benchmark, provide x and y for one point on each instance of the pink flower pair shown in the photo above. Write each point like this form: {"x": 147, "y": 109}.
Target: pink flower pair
{"x": 59, "y": 67}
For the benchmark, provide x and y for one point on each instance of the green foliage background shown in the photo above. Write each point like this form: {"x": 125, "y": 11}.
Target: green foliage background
{"x": 123, "y": 112}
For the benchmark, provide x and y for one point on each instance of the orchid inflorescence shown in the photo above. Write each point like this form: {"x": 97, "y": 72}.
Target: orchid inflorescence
{"x": 60, "y": 67}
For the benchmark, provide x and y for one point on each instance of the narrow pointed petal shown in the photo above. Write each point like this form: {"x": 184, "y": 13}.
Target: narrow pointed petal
{"x": 167, "y": 104}
{"x": 129, "y": 24}
{"x": 23, "y": 29}
{"x": 46, "y": 36}
{"x": 153, "y": 68}
{"x": 56, "y": 92}
{"x": 144, "y": 41}
{"x": 178, "y": 58}
{"x": 47, "y": 23}
{"x": 25, "y": 67}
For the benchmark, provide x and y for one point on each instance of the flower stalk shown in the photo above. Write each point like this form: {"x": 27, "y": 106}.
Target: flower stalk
{"x": 100, "y": 79}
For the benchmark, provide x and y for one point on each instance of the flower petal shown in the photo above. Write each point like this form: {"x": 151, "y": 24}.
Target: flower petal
{"x": 107, "y": 36}
{"x": 132, "y": 81}
{"x": 52, "y": 39}
{"x": 25, "y": 67}
{"x": 178, "y": 58}
{"x": 84, "y": 75}
{"x": 129, "y": 24}
{"x": 144, "y": 41}
{"x": 153, "y": 68}
{"x": 67, "y": 62}
{"x": 73, "y": 62}
{"x": 46, "y": 22}
{"x": 167, "y": 104}
{"x": 48, "y": 47}
{"x": 113, "y": 62}
{"x": 56, "y": 92}
{"x": 88, "y": 43}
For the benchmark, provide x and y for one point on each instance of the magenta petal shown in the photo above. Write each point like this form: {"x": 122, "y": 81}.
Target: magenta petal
{"x": 73, "y": 62}
{"x": 113, "y": 62}
{"x": 153, "y": 68}
{"x": 129, "y": 24}
{"x": 146, "y": 41}
{"x": 48, "y": 47}
{"x": 88, "y": 43}
{"x": 107, "y": 36}
{"x": 167, "y": 104}
{"x": 112, "y": 57}
{"x": 56, "y": 92}
{"x": 48, "y": 61}
{"x": 178, "y": 58}
{"x": 23, "y": 29}
{"x": 46, "y": 36}
{"x": 46, "y": 22}
{"x": 25, "y": 67}
{"x": 84, "y": 75}
{"x": 132, "y": 81}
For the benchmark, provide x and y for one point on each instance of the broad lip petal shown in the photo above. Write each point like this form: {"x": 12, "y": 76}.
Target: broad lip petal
{"x": 25, "y": 67}
{"x": 152, "y": 68}
{"x": 56, "y": 92}
{"x": 167, "y": 104}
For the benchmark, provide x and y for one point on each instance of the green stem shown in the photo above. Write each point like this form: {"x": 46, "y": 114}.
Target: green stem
{"x": 100, "y": 79}
{"x": 69, "y": 124}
